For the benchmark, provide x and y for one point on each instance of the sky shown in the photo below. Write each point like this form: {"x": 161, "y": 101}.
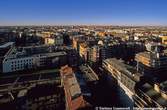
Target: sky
{"x": 85, "y": 12}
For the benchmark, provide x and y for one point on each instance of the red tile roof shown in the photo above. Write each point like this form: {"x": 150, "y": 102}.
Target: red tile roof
{"x": 74, "y": 98}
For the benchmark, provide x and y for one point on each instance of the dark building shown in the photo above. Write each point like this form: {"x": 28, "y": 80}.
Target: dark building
{"x": 153, "y": 65}
{"x": 43, "y": 97}
{"x": 124, "y": 76}
{"x": 152, "y": 90}
{"x": 41, "y": 90}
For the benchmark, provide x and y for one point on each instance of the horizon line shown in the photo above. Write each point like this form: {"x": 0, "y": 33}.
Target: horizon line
{"x": 129, "y": 25}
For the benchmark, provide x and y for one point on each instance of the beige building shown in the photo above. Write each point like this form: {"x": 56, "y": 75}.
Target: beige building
{"x": 164, "y": 39}
{"x": 83, "y": 51}
{"x": 49, "y": 40}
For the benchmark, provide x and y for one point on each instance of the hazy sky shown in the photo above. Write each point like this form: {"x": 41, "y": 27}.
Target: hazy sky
{"x": 108, "y": 12}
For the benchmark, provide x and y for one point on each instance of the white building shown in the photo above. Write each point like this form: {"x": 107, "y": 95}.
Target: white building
{"x": 17, "y": 64}
{"x": 16, "y": 60}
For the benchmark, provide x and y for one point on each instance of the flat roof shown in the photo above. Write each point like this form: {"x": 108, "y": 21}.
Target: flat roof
{"x": 123, "y": 68}
{"x": 149, "y": 55}
{"x": 41, "y": 76}
{"x": 52, "y": 54}
{"x": 154, "y": 95}
{"x": 144, "y": 54}
{"x": 89, "y": 73}
{"x": 6, "y": 44}
{"x": 31, "y": 51}
{"x": 46, "y": 90}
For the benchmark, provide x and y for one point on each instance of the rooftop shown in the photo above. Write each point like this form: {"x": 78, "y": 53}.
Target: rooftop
{"x": 6, "y": 45}
{"x": 155, "y": 96}
{"x": 26, "y": 80}
{"x": 21, "y": 53}
{"x": 150, "y": 55}
{"x": 52, "y": 54}
{"x": 88, "y": 73}
{"x": 73, "y": 93}
{"x": 123, "y": 68}
{"x": 47, "y": 90}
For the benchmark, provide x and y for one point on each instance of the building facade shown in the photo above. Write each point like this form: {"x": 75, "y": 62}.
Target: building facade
{"x": 18, "y": 61}
{"x": 124, "y": 75}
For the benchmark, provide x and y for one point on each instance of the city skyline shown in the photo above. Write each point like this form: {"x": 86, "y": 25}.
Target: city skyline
{"x": 79, "y": 12}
